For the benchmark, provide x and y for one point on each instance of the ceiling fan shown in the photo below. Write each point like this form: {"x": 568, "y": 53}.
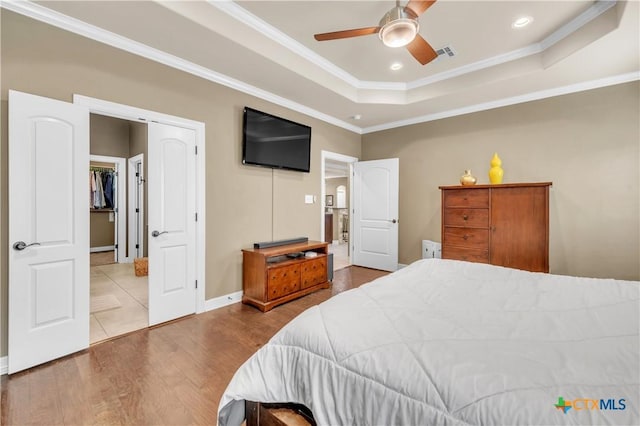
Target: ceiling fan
{"x": 397, "y": 28}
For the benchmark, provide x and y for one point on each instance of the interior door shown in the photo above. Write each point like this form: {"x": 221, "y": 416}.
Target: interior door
{"x": 48, "y": 230}
{"x": 172, "y": 222}
{"x": 375, "y": 214}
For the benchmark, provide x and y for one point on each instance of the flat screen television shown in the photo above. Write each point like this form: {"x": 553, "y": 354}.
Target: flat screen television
{"x": 275, "y": 142}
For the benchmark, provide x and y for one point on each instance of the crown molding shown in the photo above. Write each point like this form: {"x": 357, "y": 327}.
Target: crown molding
{"x": 477, "y": 66}
{"x": 48, "y": 16}
{"x": 51, "y": 17}
{"x": 598, "y": 8}
{"x": 242, "y": 15}
{"x": 533, "y": 96}
{"x": 252, "y": 21}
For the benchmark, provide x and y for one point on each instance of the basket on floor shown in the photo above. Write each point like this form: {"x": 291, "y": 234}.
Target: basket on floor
{"x": 141, "y": 265}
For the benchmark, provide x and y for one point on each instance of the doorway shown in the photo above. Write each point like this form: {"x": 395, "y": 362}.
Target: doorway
{"x": 49, "y": 259}
{"x": 118, "y": 296}
{"x": 336, "y": 190}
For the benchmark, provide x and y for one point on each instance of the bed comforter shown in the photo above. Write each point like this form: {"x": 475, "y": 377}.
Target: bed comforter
{"x": 444, "y": 342}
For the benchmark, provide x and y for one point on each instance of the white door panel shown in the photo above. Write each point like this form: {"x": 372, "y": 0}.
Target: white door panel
{"x": 172, "y": 207}
{"x": 375, "y": 214}
{"x": 374, "y": 241}
{"x": 49, "y": 208}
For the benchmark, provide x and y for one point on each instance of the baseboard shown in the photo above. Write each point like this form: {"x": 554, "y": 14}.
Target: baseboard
{"x": 4, "y": 365}
{"x": 103, "y": 248}
{"x": 222, "y": 301}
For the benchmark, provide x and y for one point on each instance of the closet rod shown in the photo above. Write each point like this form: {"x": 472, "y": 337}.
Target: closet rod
{"x": 101, "y": 169}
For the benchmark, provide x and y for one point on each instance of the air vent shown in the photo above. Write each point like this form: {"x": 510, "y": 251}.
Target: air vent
{"x": 446, "y": 52}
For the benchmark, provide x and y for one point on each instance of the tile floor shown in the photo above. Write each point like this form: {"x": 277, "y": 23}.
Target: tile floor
{"x": 119, "y": 280}
{"x": 340, "y": 255}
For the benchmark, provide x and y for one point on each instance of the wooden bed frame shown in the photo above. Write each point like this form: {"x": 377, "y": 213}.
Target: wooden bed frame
{"x": 289, "y": 414}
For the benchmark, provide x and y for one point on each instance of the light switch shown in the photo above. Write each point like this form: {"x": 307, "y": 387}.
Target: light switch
{"x": 308, "y": 199}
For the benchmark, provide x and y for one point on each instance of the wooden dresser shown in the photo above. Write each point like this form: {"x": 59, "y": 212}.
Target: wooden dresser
{"x": 270, "y": 277}
{"x": 505, "y": 225}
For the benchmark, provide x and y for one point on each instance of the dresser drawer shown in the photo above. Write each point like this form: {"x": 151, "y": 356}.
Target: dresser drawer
{"x": 466, "y": 237}
{"x": 472, "y": 218}
{"x": 463, "y": 253}
{"x": 283, "y": 281}
{"x": 466, "y": 198}
{"x": 313, "y": 272}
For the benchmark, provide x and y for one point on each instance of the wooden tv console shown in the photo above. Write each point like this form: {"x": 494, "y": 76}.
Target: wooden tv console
{"x": 271, "y": 278}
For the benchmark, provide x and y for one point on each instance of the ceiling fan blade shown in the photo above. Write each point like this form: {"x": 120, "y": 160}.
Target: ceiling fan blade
{"x": 418, "y": 6}
{"x": 421, "y": 50}
{"x": 346, "y": 33}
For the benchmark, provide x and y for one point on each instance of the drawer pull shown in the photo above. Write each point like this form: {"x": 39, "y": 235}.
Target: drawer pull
{"x": 465, "y": 237}
{"x": 465, "y": 217}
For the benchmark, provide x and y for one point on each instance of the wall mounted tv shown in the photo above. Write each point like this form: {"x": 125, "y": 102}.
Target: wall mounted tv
{"x": 275, "y": 142}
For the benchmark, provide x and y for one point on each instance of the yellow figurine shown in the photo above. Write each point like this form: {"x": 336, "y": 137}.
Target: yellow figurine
{"x": 496, "y": 172}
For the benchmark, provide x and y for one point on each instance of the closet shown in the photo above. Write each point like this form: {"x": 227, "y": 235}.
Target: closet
{"x": 103, "y": 207}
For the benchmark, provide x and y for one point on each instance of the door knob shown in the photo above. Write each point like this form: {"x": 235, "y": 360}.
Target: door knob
{"x": 156, "y": 233}
{"x": 394, "y": 220}
{"x": 21, "y": 245}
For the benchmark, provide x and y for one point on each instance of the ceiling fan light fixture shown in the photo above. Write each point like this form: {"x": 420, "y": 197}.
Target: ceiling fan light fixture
{"x": 399, "y": 32}
{"x": 398, "y": 27}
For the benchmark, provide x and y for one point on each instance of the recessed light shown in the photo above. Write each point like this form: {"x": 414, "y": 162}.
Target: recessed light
{"x": 522, "y": 22}
{"x": 356, "y": 117}
{"x": 396, "y": 66}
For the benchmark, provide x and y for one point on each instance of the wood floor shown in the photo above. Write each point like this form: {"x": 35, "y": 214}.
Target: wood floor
{"x": 174, "y": 374}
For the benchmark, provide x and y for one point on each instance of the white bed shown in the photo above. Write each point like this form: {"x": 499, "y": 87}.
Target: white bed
{"x": 445, "y": 342}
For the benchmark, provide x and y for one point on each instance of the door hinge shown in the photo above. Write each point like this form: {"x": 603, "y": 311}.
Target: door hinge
{"x": 196, "y": 149}
{"x": 196, "y": 283}
{"x": 115, "y": 210}
{"x": 137, "y": 174}
{"x": 137, "y": 210}
{"x": 196, "y": 217}
{"x": 116, "y": 246}
{"x": 137, "y": 246}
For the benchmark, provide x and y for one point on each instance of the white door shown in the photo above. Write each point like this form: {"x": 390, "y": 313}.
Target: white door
{"x": 375, "y": 214}
{"x": 172, "y": 222}
{"x": 48, "y": 230}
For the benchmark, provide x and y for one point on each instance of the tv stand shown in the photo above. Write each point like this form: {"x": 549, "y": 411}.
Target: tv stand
{"x": 271, "y": 278}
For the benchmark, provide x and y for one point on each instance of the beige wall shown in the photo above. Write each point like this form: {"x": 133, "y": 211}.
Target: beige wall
{"x": 101, "y": 230}
{"x": 108, "y": 136}
{"x": 45, "y": 61}
{"x": 587, "y": 144}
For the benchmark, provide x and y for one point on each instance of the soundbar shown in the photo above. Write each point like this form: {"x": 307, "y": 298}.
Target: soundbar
{"x": 266, "y": 244}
